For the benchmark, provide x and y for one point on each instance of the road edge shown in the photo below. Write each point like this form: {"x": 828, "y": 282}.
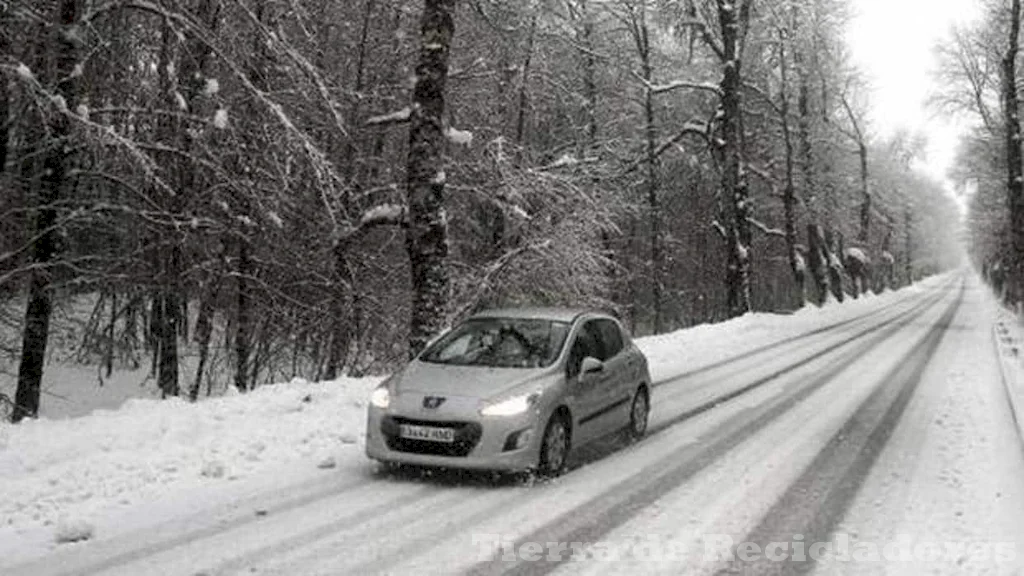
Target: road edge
{"x": 1004, "y": 337}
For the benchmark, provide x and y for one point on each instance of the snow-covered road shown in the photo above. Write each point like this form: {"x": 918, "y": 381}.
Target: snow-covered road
{"x": 877, "y": 442}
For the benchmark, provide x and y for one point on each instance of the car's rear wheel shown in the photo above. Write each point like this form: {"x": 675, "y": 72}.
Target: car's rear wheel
{"x": 554, "y": 447}
{"x": 639, "y": 413}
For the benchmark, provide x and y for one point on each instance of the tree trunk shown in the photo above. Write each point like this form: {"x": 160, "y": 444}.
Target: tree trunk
{"x": 884, "y": 278}
{"x": 586, "y": 40}
{"x": 865, "y": 204}
{"x": 833, "y": 251}
{"x": 796, "y": 263}
{"x": 341, "y": 313}
{"x": 44, "y": 249}
{"x": 816, "y": 251}
{"x": 524, "y": 84}
{"x": 5, "y": 108}
{"x": 170, "y": 312}
{"x": 642, "y": 35}
{"x": 204, "y": 330}
{"x": 426, "y": 237}
{"x": 1014, "y": 176}
{"x": 243, "y": 323}
{"x": 108, "y": 354}
{"x": 734, "y": 180}
{"x": 163, "y": 319}
{"x": 817, "y": 257}
{"x": 344, "y": 295}
{"x": 908, "y": 245}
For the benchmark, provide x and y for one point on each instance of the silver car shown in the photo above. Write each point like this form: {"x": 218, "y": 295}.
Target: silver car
{"x": 512, "y": 390}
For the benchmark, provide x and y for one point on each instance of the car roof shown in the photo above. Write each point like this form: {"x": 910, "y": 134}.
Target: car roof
{"x": 540, "y": 313}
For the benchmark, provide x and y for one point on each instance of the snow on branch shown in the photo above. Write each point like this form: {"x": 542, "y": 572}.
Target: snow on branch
{"x": 381, "y": 215}
{"x": 327, "y": 179}
{"x": 680, "y": 85}
{"x": 494, "y": 268}
{"x": 398, "y": 117}
{"x": 691, "y": 128}
{"x": 857, "y": 254}
{"x": 763, "y": 97}
{"x": 459, "y": 137}
{"x": 565, "y": 161}
{"x": 719, "y": 228}
{"x": 764, "y": 228}
{"x": 761, "y": 173}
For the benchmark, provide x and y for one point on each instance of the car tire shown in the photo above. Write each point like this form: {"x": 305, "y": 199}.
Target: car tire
{"x": 554, "y": 448}
{"x": 639, "y": 413}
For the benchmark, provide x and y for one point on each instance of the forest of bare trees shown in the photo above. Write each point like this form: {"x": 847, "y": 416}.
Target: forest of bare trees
{"x": 981, "y": 70}
{"x": 273, "y": 188}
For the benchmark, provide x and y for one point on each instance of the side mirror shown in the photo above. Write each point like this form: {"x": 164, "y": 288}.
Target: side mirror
{"x": 591, "y": 366}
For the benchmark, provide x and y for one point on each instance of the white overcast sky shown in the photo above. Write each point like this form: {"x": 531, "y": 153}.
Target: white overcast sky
{"x": 892, "y": 43}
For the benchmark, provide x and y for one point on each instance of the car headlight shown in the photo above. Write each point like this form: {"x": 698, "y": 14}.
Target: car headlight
{"x": 381, "y": 397}
{"x": 511, "y": 406}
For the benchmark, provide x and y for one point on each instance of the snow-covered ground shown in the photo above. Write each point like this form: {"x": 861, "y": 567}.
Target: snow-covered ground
{"x": 167, "y": 468}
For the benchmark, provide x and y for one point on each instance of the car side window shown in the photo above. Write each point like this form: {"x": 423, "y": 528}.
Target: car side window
{"x": 611, "y": 337}
{"x": 587, "y": 343}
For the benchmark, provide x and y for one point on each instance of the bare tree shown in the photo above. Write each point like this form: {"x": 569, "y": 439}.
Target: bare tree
{"x": 856, "y": 132}
{"x": 427, "y": 233}
{"x": 63, "y": 41}
{"x": 1012, "y": 135}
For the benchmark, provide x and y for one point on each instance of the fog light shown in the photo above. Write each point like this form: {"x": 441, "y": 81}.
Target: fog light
{"x": 524, "y": 438}
{"x": 518, "y": 440}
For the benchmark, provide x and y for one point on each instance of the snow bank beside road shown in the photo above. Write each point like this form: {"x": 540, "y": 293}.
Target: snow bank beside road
{"x": 1008, "y": 335}
{"x": 56, "y": 473}
{"x": 683, "y": 350}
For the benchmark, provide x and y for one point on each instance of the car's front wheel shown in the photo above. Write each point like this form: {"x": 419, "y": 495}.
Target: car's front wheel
{"x": 554, "y": 447}
{"x": 639, "y": 413}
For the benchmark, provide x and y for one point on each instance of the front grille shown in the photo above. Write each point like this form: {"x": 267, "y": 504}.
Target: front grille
{"x": 467, "y": 434}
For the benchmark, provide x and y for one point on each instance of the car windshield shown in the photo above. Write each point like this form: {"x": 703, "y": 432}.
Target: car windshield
{"x": 500, "y": 343}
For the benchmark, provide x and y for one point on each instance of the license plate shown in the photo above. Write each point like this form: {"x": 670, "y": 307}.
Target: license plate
{"x": 428, "y": 433}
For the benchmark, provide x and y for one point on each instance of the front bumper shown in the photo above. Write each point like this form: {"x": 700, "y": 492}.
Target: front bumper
{"x": 480, "y": 442}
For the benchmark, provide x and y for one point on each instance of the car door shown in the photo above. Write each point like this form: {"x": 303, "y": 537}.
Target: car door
{"x": 586, "y": 392}
{"x": 617, "y": 383}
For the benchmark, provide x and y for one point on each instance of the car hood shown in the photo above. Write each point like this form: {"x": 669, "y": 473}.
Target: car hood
{"x": 466, "y": 381}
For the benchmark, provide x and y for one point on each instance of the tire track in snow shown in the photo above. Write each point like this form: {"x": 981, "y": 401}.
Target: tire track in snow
{"x": 617, "y": 505}
{"x": 917, "y": 309}
{"x": 232, "y": 516}
{"x": 249, "y": 562}
{"x": 391, "y": 554}
{"x": 114, "y": 554}
{"x": 815, "y": 504}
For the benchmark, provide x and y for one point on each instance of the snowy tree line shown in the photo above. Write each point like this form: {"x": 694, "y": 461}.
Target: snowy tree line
{"x": 317, "y": 188}
{"x": 982, "y": 72}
